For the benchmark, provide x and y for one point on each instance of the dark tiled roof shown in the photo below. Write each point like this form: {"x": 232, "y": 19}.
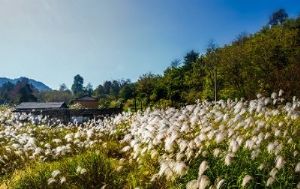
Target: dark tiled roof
{"x": 41, "y": 105}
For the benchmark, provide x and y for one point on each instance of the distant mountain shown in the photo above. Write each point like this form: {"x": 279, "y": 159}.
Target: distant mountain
{"x": 37, "y": 84}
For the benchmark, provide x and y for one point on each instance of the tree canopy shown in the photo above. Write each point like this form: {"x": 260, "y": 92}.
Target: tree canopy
{"x": 77, "y": 87}
{"x": 263, "y": 62}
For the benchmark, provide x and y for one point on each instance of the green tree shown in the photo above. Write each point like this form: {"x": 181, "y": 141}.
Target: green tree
{"x": 99, "y": 91}
{"x": 194, "y": 80}
{"x": 278, "y": 17}
{"x": 77, "y": 87}
{"x": 146, "y": 85}
{"x": 127, "y": 91}
{"x": 175, "y": 63}
{"x": 211, "y": 67}
{"x": 253, "y": 63}
{"x": 55, "y": 96}
{"x": 88, "y": 90}
{"x": 173, "y": 80}
{"x": 26, "y": 94}
{"x": 107, "y": 85}
{"x": 63, "y": 87}
{"x": 190, "y": 58}
{"x": 114, "y": 88}
{"x": 5, "y": 92}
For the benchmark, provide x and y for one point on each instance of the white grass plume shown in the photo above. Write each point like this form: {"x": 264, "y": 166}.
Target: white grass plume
{"x": 202, "y": 168}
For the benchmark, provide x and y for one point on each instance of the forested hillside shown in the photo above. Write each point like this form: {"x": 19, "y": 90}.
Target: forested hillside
{"x": 262, "y": 62}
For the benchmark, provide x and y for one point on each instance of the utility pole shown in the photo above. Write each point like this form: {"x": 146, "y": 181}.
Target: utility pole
{"x": 135, "y": 103}
{"x": 215, "y": 82}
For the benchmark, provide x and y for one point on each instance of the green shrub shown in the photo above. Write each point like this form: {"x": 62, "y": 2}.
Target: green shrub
{"x": 99, "y": 172}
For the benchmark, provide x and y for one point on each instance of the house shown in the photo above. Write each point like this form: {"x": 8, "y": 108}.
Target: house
{"x": 87, "y": 102}
{"x": 60, "y": 111}
{"x": 40, "y": 106}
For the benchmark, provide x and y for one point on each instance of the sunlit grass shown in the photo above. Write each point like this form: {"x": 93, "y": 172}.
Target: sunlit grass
{"x": 233, "y": 144}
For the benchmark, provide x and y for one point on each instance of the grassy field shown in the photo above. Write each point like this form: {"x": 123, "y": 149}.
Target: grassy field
{"x": 227, "y": 144}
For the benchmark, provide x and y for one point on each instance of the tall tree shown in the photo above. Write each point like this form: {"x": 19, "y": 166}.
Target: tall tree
{"x": 146, "y": 85}
{"x": 175, "y": 63}
{"x": 5, "y": 92}
{"x": 63, "y": 87}
{"x": 127, "y": 91}
{"x": 99, "y": 91}
{"x": 115, "y": 88}
{"x": 55, "y": 96}
{"x": 26, "y": 94}
{"x": 77, "y": 87}
{"x": 190, "y": 58}
{"x": 173, "y": 81}
{"x": 107, "y": 86}
{"x": 211, "y": 68}
{"x": 88, "y": 89}
{"x": 278, "y": 17}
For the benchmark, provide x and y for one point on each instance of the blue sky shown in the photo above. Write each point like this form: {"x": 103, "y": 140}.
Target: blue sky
{"x": 53, "y": 40}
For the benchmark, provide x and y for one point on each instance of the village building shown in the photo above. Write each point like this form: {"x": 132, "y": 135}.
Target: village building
{"x": 60, "y": 110}
{"x": 40, "y": 106}
{"x": 87, "y": 102}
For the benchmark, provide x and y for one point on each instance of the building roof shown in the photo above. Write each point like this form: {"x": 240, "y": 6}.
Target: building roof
{"x": 41, "y": 105}
{"x": 86, "y": 98}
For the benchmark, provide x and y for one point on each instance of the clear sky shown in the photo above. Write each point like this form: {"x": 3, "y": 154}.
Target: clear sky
{"x": 53, "y": 40}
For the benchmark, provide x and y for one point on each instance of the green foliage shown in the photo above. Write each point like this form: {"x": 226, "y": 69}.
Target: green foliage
{"x": 77, "y": 87}
{"x": 146, "y": 85}
{"x": 278, "y": 17}
{"x": 263, "y": 62}
{"x": 88, "y": 90}
{"x": 99, "y": 172}
{"x": 56, "y": 96}
{"x": 107, "y": 164}
{"x": 22, "y": 91}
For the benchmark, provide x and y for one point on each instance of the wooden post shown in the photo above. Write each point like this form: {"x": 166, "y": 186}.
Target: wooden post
{"x": 215, "y": 82}
{"x": 135, "y": 104}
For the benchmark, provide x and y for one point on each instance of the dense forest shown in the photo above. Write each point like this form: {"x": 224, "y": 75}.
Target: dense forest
{"x": 263, "y": 62}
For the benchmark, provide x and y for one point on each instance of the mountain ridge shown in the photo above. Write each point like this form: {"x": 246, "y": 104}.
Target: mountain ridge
{"x": 37, "y": 84}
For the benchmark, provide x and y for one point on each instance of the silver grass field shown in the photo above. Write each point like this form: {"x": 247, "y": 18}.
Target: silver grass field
{"x": 223, "y": 144}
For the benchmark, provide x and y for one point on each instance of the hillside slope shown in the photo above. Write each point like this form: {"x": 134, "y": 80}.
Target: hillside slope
{"x": 37, "y": 84}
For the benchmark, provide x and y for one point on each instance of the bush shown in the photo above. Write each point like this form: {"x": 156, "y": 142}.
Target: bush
{"x": 89, "y": 170}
